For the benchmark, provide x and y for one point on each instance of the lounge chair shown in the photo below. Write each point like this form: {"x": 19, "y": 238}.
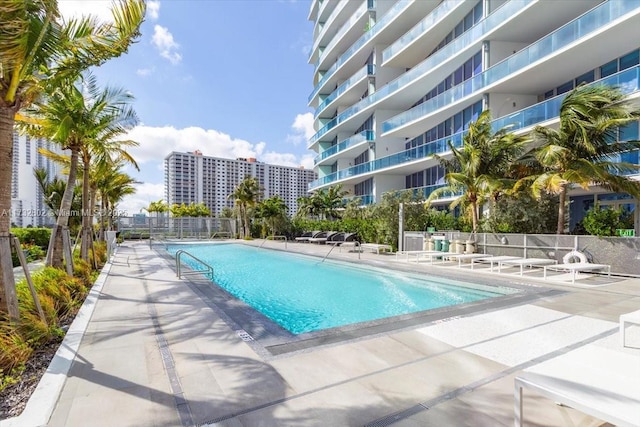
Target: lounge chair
{"x": 432, "y": 255}
{"x": 575, "y": 267}
{"x": 530, "y": 262}
{"x": 492, "y": 260}
{"x": 461, "y": 257}
{"x": 322, "y": 237}
{"x": 307, "y": 235}
{"x": 595, "y": 380}
{"x": 340, "y": 238}
{"x": 375, "y": 247}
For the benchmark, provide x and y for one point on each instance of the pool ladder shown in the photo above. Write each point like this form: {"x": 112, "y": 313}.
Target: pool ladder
{"x": 208, "y": 270}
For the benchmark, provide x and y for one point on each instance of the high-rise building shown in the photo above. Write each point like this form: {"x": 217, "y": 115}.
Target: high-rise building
{"x": 27, "y": 199}
{"x": 395, "y": 80}
{"x": 194, "y": 178}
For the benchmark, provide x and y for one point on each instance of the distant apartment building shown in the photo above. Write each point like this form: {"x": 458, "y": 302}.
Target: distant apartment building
{"x": 27, "y": 199}
{"x": 194, "y": 178}
{"x": 395, "y": 80}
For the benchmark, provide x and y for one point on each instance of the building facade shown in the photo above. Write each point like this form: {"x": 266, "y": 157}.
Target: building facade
{"x": 27, "y": 199}
{"x": 194, "y": 178}
{"x": 394, "y": 80}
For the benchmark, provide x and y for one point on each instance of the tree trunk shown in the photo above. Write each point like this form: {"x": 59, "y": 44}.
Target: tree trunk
{"x": 55, "y": 251}
{"x": 86, "y": 235}
{"x": 561, "y": 209}
{"x": 8, "y": 298}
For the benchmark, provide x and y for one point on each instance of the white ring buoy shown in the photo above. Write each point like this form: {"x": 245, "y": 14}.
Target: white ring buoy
{"x": 574, "y": 256}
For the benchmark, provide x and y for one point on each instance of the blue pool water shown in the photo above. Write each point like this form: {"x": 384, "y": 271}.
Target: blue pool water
{"x": 303, "y": 295}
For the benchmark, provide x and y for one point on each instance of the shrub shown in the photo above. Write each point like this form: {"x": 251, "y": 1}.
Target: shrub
{"x": 603, "y": 222}
{"x": 35, "y": 236}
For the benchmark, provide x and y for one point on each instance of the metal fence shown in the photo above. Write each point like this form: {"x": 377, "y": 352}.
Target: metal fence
{"x": 144, "y": 227}
{"x": 622, "y": 253}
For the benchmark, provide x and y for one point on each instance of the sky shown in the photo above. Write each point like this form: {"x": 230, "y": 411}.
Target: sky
{"x": 230, "y": 78}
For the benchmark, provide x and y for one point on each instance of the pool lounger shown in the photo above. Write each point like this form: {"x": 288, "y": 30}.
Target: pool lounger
{"x": 493, "y": 260}
{"x": 407, "y": 254}
{"x": 530, "y": 262}
{"x": 432, "y": 255}
{"x": 375, "y": 247}
{"x": 576, "y": 267}
{"x": 597, "y": 381}
{"x": 461, "y": 257}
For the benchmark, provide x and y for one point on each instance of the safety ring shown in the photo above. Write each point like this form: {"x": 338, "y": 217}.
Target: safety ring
{"x": 574, "y": 257}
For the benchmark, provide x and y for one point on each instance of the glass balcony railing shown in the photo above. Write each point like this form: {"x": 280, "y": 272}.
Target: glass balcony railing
{"x": 355, "y": 17}
{"x": 423, "y": 26}
{"x": 473, "y": 35}
{"x": 327, "y": 24}
{"x": 425, "y": 191}
{"x": 364, "y": 136}
{"x": 367, "y": 199}
{"x": 392, "y": 13}
{"x": 628, "y": 81}
{"x": 559, "y": 39}
{"x": 367, "y": 70}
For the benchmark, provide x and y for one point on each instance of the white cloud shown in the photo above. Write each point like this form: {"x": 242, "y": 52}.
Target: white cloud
{"x": 163, "y": 40}
{"x": 145, "y": 193}
{"x": 153, "y": 9}
{"x": 303, "y": 129}
{"x": 77, "y": 8}
{"x": 144, "y": 71}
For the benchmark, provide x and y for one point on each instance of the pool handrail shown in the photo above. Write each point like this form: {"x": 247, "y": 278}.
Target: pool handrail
{"x": 220, "y": 233}
{"x": 208, "y": 270}
{"x": 274, "y": 238}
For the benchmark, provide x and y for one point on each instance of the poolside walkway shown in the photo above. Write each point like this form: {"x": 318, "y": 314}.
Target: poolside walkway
{"x": 154, "y": 352}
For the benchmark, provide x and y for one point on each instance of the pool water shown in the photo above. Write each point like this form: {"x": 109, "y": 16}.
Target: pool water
{"x": 303, "y": 295}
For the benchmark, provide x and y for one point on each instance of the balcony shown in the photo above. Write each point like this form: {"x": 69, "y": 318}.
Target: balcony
{"x": 538, "y": 51}
{"x": 388, "y": 17}
{"x": 471, "y": 37}
{"x": 367, "y": 199}
{"x": 366, "y": 71}
{"x": 628, "y": 81}
{"x": 336, "y": 38}
{"x": 353, "y": 141}
{"x": 423, "y": 27}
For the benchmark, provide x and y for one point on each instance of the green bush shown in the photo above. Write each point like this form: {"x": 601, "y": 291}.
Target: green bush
{"x": 604, "y": 222}
{"x": 35, "y": 236}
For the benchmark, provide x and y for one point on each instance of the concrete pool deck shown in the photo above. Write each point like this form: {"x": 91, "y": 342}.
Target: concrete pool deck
{"x": 154, "y": 352}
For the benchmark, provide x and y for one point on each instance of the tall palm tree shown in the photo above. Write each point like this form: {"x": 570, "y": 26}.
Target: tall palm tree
{"x": 52, "y": 191}
{"x": 272, "y": 210}
{"x": 478, "y": 168}
{"x": 246, "y": 195}
{"x": 584, "y": 147}
{"x": 37, "y": 49}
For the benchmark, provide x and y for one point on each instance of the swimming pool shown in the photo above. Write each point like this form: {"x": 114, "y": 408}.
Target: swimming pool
{"x": 302, "y": 294}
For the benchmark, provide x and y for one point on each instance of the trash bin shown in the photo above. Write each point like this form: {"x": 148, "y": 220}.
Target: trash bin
{"x": 437, "y": 245}
{"x": 470, "y": 246}
{"x": 445, "y": 245}
{"x": 457, "y": 246}
{"x": 431, "y": 245}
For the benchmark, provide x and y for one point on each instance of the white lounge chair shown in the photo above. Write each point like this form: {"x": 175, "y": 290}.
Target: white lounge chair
{"x": 432, "y": 256}
{"x": 492, "y": 260}
{"x": 632, "y": 318}
{"x": 307, "y": 235}
{"x": 461, "y": 257}
{"x": 375, "y": 247}
{"x": 576, "y": 267}
{"x": 598, "y": 381}
{"x": 529, "y": 262}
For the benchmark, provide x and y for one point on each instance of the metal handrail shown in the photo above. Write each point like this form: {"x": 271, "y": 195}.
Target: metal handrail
{"x": 227, "y": 234}
{"x": 276, "y": 238}
{"x": 208, "y": 270}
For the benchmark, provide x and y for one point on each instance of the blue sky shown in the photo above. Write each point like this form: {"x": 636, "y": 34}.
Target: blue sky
{"x": 228, "y": 77}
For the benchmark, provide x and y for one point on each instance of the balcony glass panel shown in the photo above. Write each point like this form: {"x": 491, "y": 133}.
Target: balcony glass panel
{"x": 388, "y": 17}
{"x": 423, "y": 26}
{"x": 367, "y": 70}
{"x": 553, "y": 42}
{"x": 628, "y": 81}
{"x": 338, "y": 35}
{"x": 474, "y": 34}
{"x": 352, "y": 141}
{"x": 327, "y": 24}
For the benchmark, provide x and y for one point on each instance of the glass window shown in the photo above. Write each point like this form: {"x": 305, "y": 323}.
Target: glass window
{"x": 459, "y": 29}
{"x": 629, "y": 60}
{"x": 586, "y": 78}
{"x": 566, "y": 87}
{"x": 477, "y": 12}
{"x": 457, "y": 123}
{"x": 548, "y": 94}
{"x": 609, "y": 68}
{"x": 457, "y": 76}
{"x": 468, "y": 21}
{"x": 629, "y": 132}
{"x": 477, "y": 63}
{"x": 467, "y": 68}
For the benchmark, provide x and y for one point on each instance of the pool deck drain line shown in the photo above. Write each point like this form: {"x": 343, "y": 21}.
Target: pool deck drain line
{"x": 182, "y": 406}
{"x": 406, "y": 413}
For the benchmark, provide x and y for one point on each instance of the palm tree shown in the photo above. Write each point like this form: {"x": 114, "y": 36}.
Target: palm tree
{"x": 159, "y": 207}
{"x": 308, "y": 206}
{"x": 119, "y": 186}
{"x": 478, "y": 168}
{"x": 38, "y": 49}
{"x": 272, "y": 210}
{"x": 331, "y": 200}
{"x": 584, "y": 147}
{"x": 246, "y": 195}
